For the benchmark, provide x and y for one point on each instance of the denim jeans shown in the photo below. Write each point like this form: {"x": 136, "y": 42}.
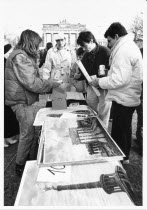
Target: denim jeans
{"x": 26, "y": 147}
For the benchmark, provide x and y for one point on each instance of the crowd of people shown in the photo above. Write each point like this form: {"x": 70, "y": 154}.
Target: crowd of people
{"x": 121, "y": 85}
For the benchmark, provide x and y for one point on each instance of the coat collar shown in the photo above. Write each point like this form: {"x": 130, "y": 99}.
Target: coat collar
{"x": 55, "y": 49}
{"x": 121, "y": 41}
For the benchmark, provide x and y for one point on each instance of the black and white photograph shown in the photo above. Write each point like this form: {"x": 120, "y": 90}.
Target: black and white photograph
{"x": 72, "y": 103}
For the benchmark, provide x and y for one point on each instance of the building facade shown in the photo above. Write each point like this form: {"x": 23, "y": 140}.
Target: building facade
{"x": 102, "y": 42}
{"x": 71, "y": 31}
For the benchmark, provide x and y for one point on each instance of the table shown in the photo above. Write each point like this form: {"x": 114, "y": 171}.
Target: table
{"x": 72, "y": 98}
{"x": 32, "y": 193}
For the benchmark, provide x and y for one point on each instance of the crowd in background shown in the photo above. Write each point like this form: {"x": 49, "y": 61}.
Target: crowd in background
{"x": 120, "y": 87}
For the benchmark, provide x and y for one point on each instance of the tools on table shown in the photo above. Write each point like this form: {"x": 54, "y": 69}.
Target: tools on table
{"x": 111, "y": 183}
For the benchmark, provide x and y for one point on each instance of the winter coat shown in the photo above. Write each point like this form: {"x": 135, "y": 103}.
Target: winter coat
{"x": 57, "y": 59}
{"x": 125, "y": 75}
{"x": 22, "y": 82}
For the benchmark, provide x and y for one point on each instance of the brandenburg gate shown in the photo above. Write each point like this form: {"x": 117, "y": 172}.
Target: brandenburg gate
{"x": 70, "y": 31}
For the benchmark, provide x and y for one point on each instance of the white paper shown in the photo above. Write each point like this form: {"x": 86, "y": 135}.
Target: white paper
{"x": 72, "y": 95}
{"x": 44, "y": 113}
{"x": 54, "y": 174}
{"x": 75, "y": 95}
{"x": 80, "y": 65}
{"x": 40, "y": 116}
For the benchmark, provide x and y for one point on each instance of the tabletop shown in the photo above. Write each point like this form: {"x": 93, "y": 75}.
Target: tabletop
{"x": 40, "y": 185}
{"x": 36, "y": 192}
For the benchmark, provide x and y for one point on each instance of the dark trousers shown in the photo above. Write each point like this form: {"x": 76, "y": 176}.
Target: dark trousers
{"x": 122, "y": 127}
{"x": 139, "y": 110}
{"x": 11, "y": 125}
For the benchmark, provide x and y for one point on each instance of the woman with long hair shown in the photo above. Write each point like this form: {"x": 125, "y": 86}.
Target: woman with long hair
{"x": 22, "y": 88}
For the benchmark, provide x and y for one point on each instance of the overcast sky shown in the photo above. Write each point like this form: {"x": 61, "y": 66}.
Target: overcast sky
{"x": 96, "y": 14}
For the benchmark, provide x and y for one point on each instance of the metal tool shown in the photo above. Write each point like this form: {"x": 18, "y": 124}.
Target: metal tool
{"x": 111, "y": 183}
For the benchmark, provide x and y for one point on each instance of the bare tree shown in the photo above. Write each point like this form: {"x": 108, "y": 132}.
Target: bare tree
{"x": 11, "y": 38}
{"x": 137, "y": 27}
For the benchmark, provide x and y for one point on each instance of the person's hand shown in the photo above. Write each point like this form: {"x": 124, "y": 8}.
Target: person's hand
{"x": 94, "y": 82}
{"x": 77, "y": 75}
{"x": 105, "y": 73}
{"x": 56, "y": 83}
{"x": 64, "y": 86}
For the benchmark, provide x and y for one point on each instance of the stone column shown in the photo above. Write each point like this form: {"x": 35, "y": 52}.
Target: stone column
{"x": 51, "y": 38}
{"x": 69, "y": 39}
{"x": 45, "y": 39}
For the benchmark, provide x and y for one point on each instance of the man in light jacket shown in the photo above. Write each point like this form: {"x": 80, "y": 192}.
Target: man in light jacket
{"x": 123, "y": 83}
{"x": 60, "y": 56}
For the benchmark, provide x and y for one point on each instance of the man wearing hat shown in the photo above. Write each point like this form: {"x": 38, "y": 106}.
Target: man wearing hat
{"x": 58, "y": 57}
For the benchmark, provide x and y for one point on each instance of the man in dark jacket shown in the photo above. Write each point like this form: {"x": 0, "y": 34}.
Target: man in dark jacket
{"x": 95, "y": 56}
